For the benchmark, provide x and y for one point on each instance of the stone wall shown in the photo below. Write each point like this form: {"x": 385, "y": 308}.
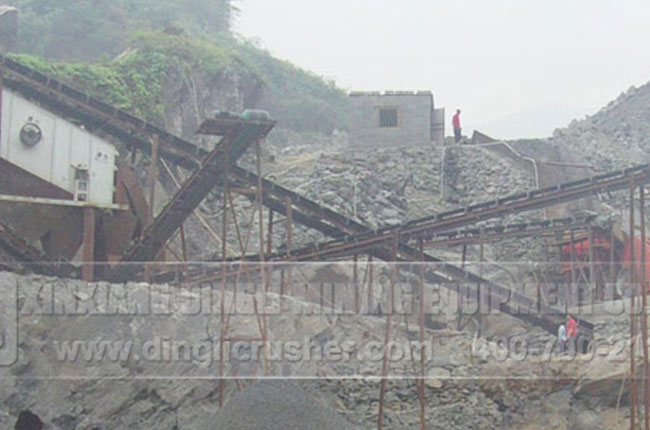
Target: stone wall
{"x": 415, "y": 116}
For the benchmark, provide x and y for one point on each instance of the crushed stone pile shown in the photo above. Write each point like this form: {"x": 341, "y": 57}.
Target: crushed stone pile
{"x": 615, "y": 137}
{"x": 277, "y": 405}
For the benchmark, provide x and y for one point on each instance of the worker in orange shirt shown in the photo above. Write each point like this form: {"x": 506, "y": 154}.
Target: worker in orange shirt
{"x": 571, "y": 332}
{"x": 456, "y": 123}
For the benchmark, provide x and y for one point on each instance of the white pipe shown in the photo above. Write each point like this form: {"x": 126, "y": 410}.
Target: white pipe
{"x": 511, "y": 149}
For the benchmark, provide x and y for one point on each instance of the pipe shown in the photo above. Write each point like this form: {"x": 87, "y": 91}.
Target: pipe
{"x": 531, "y": 160}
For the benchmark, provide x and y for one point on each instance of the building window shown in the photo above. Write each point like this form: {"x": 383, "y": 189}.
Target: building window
{"x": 387, "y": 117}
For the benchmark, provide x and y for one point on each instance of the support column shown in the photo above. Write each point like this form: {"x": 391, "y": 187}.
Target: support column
{"x": 269, "y": 239}
{"x": 289, "y": 206}
{"x": 421, "y": 392}
{"x": 644, "y": 314}
{"x": 153, "y": 174}
{"x": 633, "y": 267}
{"x": 88, "y": 268}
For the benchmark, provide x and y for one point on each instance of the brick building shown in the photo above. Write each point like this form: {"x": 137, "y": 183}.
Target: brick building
{"x": 395, "y": 118}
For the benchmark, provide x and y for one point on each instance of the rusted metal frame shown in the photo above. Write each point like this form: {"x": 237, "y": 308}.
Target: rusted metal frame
{"x": 479, "y": 295}
{"x": 2, "y": 88}
{"x": 590, "y": 257}
{"x": 389, "y": 312}
{"x": 370, "y": 285}
{"x": 584, "y": 274}
{"x": 184, "y": 250}
{"x": 251, "y": 218}
{"x": 633, "y": 388}
{"x": 342, "y": 225}
{"x": 362, "y": 290}
{"x": 644, "y": 313}
{"x": 153, "y": 176}
{"x": 243, "y": 268}
{"x": 289, "y": 215}
{"x": 421, "y": 337}
{"x": 459, "y": 298}
{"x": 224, "y": 237}
{"x": 571, "y": 270}
{"x": 196, "y": 212}
{"x": 548, "y": 320}
{"x": 355, "y": 282}
{"x": 263, "y": 329}
{"x": 358, "y": 240}
{"x": 538, "y": 289}
{"x": 263, "y": 269}
{"x": 496, "y": 236}
{"x": 535, "y": 200}
{"x": 483, "y": 211}
{"x": 88, "y": 266}
{"x": 500, "y": 296}
{"x": 612, "y": 264}
{"x": 175, "y": 254}
{"x": 242, "y": 249}
{"x": 487, "y": 210}
{"x": 351, "y": 225}
{"x": 191, "y": 193}
{"x": 269, "y": 237}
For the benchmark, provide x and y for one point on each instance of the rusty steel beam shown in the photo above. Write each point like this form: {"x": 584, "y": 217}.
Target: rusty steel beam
{"x": 452, "y": 277}
{"x": 426, "y": 228}
{"x": 190, "y": 195}
{"x": 128, "y": 128}
{"x": 88, "y": 267}
{"x": 633, "y": 272}
{"x": 510, "y": 231}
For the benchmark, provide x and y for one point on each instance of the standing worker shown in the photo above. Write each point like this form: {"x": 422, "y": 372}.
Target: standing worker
{"x": 572, "y": 333}
{"x": 561, "y": 338}
{"x": 456, "y": 123}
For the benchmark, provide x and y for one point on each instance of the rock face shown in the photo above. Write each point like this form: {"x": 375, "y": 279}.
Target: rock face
{"x": 190, "y": 96}
{"x": 616, "y": 136}
{"x": 147, "y": 387}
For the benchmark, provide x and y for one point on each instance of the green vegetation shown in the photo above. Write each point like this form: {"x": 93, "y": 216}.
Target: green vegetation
{"x": 161, "y": 41}
{"x": 99, "y": 29}
{"x": 301, "y": 100}
{"x": 135, "y": 81}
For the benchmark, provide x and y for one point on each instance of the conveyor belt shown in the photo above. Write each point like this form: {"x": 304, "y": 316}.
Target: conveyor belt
{"x": 130, "y": 129}
{"x": 491, "y": 233}
{"x": 241, "y": 135}
{"x": 311, "y": 214}
{"x": 427, "y": 228}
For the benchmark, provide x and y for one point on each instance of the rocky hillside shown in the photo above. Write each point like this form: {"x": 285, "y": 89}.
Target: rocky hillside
{"x": 143, "y": 380}
{"x": 98, "y": 30}
{"x": 615, "y": 137}
{"x": 176, "y": 81}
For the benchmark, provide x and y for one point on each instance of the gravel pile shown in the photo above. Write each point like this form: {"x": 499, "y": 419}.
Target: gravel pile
{"x": 277, "y": 405}
{"x": 616, "y": 136}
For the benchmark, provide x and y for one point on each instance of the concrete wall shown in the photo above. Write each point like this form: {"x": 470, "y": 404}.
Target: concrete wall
{"x": 415, "y": 118}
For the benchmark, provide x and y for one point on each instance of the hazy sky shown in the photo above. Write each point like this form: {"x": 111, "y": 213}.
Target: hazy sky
{"x": 516, "y": 68}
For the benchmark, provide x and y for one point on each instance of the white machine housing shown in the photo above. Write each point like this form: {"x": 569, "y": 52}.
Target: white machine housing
{"x": 64, "y": 154}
